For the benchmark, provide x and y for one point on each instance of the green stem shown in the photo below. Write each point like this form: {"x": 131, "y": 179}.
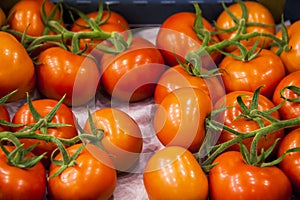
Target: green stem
{"x": 264, "y": 130}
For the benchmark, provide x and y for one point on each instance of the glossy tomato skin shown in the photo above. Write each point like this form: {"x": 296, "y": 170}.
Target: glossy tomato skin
{"x": 179, "y": 119}
{"x": 17, "y": 183}
{"x": 18, "y": 71}
{"x": 4, "y": 115}
{"x": 266, "y": 69}
{"x": 291, "y": 58}
{"x": 122, "y": 136}
{"x": 172, "y": 173}
{"x": 27, "y": 13}
{"x": 176, "y": 35}
{"x": 257, "y": 13}
{"x": 176, "y": 77}
{"x": 114, "y": 22}
{"x": 132, "y": 74}
{"x": 228, "y": 117}
{"x": 232, "y": 178}
{"x": 43, "y": 106}
{"x": 92, "y": 177}
{"x": 61, "y": 72}
{"x": 288, "y": 110}
{"x": 290, "y": 165}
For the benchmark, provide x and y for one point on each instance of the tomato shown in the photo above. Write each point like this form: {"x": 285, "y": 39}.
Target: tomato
{"x": 232, "y": 178}
{"x": 244, "y": 125}
{"x": 92, "y": 176}
{"x": 132, "y": 74}
{"x": 27, "y": 13}
{"x": 257, "y": 13}
{"x": 43, "y": 106}
{"x": 176, "y": 77}
{"x": 266, "y": 69}
{"x": 18, "y": 71}
{"x": 290, "y": 165}
{"x": 114, "y": 22}
{"x": 179, "y": 119}
{"x": 288, "y": 110}
{"x": 291, "y": 58}
{"x": 17, "y": 183}
{"x": 172, "y": 173}
{"x": 2, "y": 17}
{"x": 61, "y": 72}
{"x": 4, "y": 115}
{"x": 177, "y": 36}
{"x": 122, "y": 136}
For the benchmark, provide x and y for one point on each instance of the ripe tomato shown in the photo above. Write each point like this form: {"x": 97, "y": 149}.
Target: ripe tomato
{"x": 176, "y": 35}
{"x": 92, "y": 177}
{"x": 27, "y": 13}
{"x": 61, "y": 72}
{"x": 122, "y": 136}
{"x": 17, "y": 183}
{"x": 4, "y": 115}
{"x": 232, "y": 178}
{"x": 114, "y": 22}
{"x": 43, "y": 106}
{"x": 180, "y": 117}
{"x": 290, "y": 165}
{"x": 18, "y": 70}
{"x": 291, "y": 58}
{"x": 266, "y": 69}
{"x": 176, "y": 77}
{"x": 257, "y": 13}
{"x": 288, "y": 110}
{"x": 132, "y": 74}
{"x": 243, "y": 125}
{"x": 2, "y": 17}
{"x": 172, "y": 173}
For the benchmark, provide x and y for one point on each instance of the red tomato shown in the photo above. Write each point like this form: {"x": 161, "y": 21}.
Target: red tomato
{"x": 176, "y": 77}
{"x": 232, "y": 178}
{"x": 172, "y": 173}
{"x": 290, "y": 165}
{"x": 122, "y": 136}
{"x": 91, "y": 177}
{"x": 132, "y": 74}
{"x": 63, "y": 115}
{"x": 177, "y": 35}
{"x": 18, "y": 70}
{"x": 27, "y": 13}
{"x": 2, "y": 17}
{"x": 243, "y": 125}
{"x": 266, "y": 69}
{"x": 291, "y": 58}
{"x": 288, "y": 110}
{"x": 61, "y": 72}
{"x": 17, "y": 183}
{"x": 180, "y": 117}
{"x": 114, "y": 22}
{"x": 257, "y": 13}
{"x": 4, "y": 115}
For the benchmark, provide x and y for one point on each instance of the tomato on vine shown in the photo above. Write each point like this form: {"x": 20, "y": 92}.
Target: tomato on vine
{"x": 60, "y": 72}
{"x": 26, "y": 15}
{"x": 44, "y": 107}
{"x": 122, "y": 137}
{"x": 91, "y": 176}
{"x": 20, "y": 183}
{"x": 257, "y": 19}
{"x": 248, "y": 73}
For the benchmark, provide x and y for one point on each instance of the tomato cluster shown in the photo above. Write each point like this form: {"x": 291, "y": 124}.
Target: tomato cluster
{"x": 224, "y": 98}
